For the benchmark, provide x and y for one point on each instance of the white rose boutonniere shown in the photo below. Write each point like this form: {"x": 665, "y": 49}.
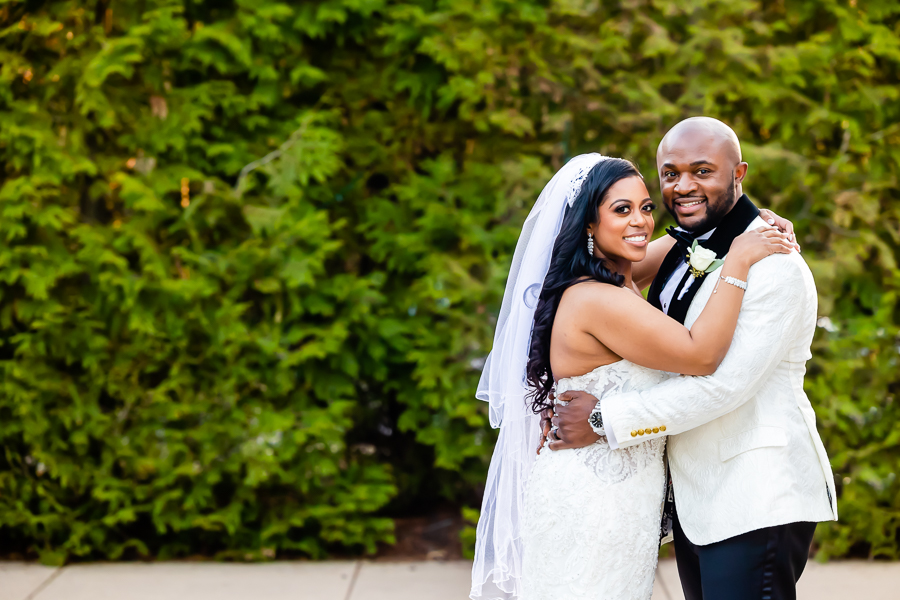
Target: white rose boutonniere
{"x": 702, "y": 260}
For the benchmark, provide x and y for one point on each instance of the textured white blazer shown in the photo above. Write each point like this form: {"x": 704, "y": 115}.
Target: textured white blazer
{"x": 744, "y": 452}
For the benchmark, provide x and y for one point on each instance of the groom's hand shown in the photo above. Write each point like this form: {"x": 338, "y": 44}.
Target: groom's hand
{"x": 571, "y": 421}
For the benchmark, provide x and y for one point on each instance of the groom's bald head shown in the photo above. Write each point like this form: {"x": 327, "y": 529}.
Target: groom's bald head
{"x": 708, "y": 131}
{"x": 700, "y": 172}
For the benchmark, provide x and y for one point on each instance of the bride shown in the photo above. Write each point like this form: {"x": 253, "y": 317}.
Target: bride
{"x": 585, "y": 523}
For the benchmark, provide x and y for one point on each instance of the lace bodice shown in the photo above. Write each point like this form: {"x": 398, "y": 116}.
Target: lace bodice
{"x": 614, "y": 378}
{"x": 622, "y": 376}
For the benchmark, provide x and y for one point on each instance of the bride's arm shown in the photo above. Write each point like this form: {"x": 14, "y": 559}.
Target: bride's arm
{"x": 643, "y": 272}
{"x": 638, "y": 332}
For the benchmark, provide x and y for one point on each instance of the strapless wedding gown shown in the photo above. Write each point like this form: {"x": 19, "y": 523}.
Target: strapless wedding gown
{"x": 591, "y": 520}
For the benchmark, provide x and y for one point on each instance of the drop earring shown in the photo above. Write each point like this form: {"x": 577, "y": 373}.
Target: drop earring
{"x": 590, "y": 244}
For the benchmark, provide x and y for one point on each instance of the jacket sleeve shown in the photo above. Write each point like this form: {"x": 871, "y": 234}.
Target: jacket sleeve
{"x": 771, "y": 313}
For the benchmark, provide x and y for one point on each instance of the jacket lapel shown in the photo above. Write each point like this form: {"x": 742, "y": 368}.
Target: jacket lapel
{"x": 734, "y": 224}
{"x": 669, "y": 264}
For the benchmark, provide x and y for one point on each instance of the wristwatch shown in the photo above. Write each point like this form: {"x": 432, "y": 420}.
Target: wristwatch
{"x": 596, "y": 421}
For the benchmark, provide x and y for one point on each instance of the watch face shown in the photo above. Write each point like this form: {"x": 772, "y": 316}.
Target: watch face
{"x": 596, "y": 420}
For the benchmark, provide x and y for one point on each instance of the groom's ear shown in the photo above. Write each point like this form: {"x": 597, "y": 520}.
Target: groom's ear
{"x": 740, "y": 171}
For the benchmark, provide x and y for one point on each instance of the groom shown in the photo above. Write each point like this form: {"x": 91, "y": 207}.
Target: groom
{"x": 749, "y": 472}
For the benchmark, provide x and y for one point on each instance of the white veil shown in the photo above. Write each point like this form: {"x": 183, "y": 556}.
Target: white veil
{"x": 497, "y": 571}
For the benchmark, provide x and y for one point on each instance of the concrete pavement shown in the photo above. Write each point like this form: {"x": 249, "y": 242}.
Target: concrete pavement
{"x": 357, "y": 580}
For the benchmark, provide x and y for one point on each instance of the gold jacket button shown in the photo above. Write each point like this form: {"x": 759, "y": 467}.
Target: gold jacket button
{"x": 633, "y": 433}
{"x": 656, "y": 430}
{"x": 640, "y": 432}
{"x": 662, "y": 427}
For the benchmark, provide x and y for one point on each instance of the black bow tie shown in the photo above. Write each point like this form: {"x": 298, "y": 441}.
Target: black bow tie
{"x": 682, "y": 238}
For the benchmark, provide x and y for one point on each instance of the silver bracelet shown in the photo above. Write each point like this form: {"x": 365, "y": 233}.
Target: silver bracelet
{"x": 733, "y": 281}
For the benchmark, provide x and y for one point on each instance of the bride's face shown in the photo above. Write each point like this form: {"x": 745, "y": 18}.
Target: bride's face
{"x": 625, "y": 221}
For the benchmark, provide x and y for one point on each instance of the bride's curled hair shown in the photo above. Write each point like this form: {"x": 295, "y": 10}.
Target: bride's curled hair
{"x": 570, "y": 263}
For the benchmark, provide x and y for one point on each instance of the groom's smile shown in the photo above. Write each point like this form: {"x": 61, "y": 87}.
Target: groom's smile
{"x": 689, "y": 205}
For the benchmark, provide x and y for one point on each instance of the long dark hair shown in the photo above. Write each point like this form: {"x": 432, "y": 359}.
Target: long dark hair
{"x": 569, "y": 263}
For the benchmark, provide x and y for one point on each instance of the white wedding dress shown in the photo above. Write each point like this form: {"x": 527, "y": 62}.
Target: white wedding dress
{"x": 591, "y": 523}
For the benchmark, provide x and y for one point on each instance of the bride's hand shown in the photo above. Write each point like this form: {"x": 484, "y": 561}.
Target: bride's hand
{"x": 757, "y": 244}
{"x": 546, "y": 425}
{"x": 783, "y": 225}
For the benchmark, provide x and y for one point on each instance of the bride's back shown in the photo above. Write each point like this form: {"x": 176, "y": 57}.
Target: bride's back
{"x": 574, "y": 351}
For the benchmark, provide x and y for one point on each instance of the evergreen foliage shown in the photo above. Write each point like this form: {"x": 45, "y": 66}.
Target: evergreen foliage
{"x": 250, "y": 251}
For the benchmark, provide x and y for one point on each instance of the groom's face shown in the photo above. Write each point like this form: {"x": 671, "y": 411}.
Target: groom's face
{"x": 698, "y": 177}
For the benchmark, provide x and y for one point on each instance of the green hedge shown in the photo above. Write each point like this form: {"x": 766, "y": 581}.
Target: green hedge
{"x": 250, "y": 251}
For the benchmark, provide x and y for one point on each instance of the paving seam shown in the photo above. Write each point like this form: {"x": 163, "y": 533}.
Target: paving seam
{"x": 45, "y": 583}
{"x": 356, "y": 570}
{"x": 662, "y": 584}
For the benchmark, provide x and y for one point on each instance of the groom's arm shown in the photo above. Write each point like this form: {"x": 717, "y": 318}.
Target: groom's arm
{"x": 775, "y": 306}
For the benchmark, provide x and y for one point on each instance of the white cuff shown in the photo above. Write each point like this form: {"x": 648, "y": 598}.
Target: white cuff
{"x": 610, "y": 435}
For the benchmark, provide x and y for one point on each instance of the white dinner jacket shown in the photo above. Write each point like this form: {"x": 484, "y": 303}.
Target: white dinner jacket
{"x": 744, "y": 452}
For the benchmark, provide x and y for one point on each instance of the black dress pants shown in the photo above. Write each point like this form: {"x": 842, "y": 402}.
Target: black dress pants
{"x": 759, "y": 565}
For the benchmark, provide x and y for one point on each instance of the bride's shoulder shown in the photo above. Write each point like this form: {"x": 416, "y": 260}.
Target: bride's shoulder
{"x": 593, "y": 292}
